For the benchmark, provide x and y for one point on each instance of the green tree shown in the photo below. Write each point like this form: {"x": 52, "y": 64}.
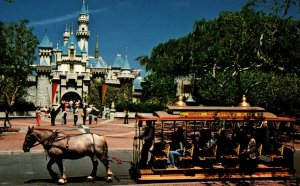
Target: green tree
{"x": 119, "y": 94}
{"x": 244, "y": 52}
{"x": 277, "y": 7}
{"x": 16, "y": 57}
{"x": 159, "y": 89}
{"x": 95, "y": 93}
{"x": 245, "y": 42}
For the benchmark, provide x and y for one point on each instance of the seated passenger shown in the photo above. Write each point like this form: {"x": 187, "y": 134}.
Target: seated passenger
{"x": 248, "y": 155}
{"x": 177, "y": 146}
{"x": 207, "y": 146}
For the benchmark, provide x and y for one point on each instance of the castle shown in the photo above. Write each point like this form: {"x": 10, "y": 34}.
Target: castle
{"x": 65, "y": 72}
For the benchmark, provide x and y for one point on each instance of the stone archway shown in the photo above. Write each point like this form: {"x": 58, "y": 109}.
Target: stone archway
{"x": 72, "y": 96}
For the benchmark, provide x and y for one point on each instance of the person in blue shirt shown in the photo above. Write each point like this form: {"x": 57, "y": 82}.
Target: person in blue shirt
{"x": 177, "y": 146}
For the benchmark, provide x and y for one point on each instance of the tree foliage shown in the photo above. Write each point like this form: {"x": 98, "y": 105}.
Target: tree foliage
{"x": 95, "y": 93}
{"x": 16, "y": 57}
{"x": 245, "y": 52}
{"x": 118, "y": 94}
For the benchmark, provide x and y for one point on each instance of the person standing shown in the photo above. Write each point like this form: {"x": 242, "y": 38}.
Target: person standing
{"x": 71, "y": 105}
{"x": 53, "y": 116}
{"x": 63, "y": 116}
{"x": 89, "y": 112}
{"x": 62, "y": 103}
{"x": 126, "y": 111}
{"x": 84, "y": 115}
{"x": 7, "y": 118}
{"x": 75, "y": 116}
{"x": 148, "y": 137}
{"x": 66, "y": 105}
{"x": 38, "y": 116}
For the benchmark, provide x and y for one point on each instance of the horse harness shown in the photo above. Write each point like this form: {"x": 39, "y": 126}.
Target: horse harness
{"x": 48, "y": 142}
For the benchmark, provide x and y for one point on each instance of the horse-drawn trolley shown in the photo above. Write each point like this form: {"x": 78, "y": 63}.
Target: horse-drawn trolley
{"x": 217, "y": 144}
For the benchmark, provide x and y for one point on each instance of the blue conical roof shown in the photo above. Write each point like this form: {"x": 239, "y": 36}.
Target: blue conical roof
{"x": 83, "y": 8}
{"x": 97, "y": 63}
{"x": 126, "y": 65}
{"x": 71, "y": 40}
{"x": 45, "y": 42}
{"x": 118, "y": 63}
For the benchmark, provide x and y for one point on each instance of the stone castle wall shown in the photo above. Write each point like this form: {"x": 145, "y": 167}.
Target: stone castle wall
{"x": 43, "y": 91}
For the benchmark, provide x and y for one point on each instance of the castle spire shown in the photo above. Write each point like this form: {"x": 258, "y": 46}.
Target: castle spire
{"x": 83, "y": 8}
{"x": 97, "y": 48}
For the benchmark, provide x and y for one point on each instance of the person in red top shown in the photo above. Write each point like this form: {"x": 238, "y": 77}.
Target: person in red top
{"x": 66, "y": 105}
{"x": 38, "y": 116}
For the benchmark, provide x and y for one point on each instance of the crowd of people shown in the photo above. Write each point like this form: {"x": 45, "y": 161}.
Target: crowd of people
{"x": 88, "y": 114}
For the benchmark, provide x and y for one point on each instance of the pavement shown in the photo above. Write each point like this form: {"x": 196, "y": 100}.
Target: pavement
{"x": 118, "y": 135}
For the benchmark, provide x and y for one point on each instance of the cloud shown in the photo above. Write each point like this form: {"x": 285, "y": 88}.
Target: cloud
{"x": 62, "y": 18}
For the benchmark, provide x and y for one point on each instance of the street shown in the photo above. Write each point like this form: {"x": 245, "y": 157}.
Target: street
{"x": 30, "y": 169}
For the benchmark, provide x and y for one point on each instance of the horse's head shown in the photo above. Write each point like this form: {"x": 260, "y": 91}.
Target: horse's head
{"x": 30, "y": 140}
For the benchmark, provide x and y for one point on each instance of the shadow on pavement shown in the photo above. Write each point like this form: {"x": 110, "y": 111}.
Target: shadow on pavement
{"x": 81, "y": 179}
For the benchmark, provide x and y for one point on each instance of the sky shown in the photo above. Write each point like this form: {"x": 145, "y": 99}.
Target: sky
{"x": 131, "y": 27}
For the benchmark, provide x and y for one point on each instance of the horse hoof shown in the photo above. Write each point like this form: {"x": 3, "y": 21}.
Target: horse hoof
{"x": 90, "y": 178}
{"x": 62, "y": 181}
{"x": 109, "y": 179}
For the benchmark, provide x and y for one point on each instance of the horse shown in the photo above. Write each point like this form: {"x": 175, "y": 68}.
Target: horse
{"x": 61, "y": 146}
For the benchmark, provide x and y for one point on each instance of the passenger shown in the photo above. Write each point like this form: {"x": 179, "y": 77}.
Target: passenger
{"x": 207, "y": 144}
{"x": 177, "y": 146}
{"x": 195, "y": 142}
{"x": 248, "y": 155}
{"x": 148, "y": 137}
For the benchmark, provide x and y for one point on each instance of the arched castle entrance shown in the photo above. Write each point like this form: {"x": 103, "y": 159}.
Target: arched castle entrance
{"x": 72, "y": 96}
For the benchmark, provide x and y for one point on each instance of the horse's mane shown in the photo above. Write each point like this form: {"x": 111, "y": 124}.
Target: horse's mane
{"x": 48, "y": 130}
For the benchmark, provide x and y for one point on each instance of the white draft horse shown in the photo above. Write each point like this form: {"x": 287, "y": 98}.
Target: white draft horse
{"x": 61, "y": 146}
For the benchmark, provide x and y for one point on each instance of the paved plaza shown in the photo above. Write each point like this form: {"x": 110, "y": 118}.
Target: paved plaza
{"x": 118, "y": 135}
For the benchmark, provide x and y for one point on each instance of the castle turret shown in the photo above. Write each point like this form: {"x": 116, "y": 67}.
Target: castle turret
{"x": 125, "y": 73}
{"x": 45, "y": 50}
{"x": 83, "y": 32}
{"x": 66, "y": 35}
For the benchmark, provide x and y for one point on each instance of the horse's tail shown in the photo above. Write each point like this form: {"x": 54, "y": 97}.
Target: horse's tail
{"x": 105, "y": 148}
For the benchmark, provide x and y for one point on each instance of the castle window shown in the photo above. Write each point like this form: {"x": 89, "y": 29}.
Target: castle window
{"x": 72, "y": 53}
{"x": 71, "y": 68}
{"x": 82, "y": 29}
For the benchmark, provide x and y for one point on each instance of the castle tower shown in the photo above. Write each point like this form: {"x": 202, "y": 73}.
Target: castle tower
{"x": 45, "y": 50}
{"x": 43, "y": 71}
{"x": 83, "y": 32}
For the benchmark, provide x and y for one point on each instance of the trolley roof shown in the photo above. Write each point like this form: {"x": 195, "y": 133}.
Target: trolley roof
{"x": 211, "y": 113}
